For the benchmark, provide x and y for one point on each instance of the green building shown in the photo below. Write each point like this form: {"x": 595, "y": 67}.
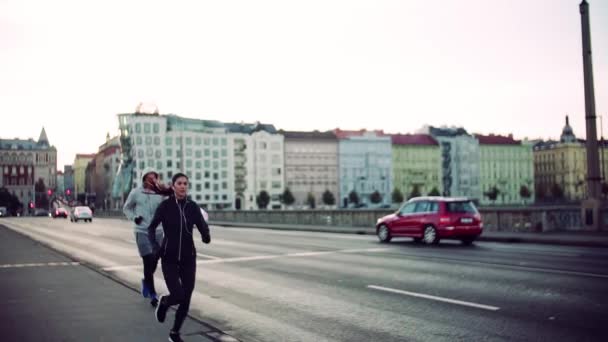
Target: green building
{"x": 506, "y": 170}
{"x": 416, "y": 164}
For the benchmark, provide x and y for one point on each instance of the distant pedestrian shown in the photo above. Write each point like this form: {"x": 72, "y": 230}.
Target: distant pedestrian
{"x": 139, "y": 208}
{"x": 178, "y": 216}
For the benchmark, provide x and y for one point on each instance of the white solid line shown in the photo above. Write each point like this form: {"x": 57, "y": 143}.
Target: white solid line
{"x": 40, "y": 264}
{"x": 120, "y": 267}
{"x": 440, "y": 299}
{"x": 207, "y": 256}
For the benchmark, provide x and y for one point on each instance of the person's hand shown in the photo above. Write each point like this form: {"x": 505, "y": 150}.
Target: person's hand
{"x": 138, "y": 219}
{"x": 207, "y": 238}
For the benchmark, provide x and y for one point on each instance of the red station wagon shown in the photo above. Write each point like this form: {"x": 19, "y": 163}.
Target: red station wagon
{"x": 430, "y": 219}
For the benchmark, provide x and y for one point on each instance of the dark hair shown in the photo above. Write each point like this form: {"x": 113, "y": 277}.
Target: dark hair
{"x": 176, "y": 176}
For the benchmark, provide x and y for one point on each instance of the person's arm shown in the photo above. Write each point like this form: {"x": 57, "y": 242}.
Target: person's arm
{"x": 129, "y": 208}
{"x": 158, "y": 215}
{"x": 202, "y": 226}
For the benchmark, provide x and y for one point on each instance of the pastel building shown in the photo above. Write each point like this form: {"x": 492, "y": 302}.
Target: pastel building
{"x": 507, "y": 165}
{"x": 365, "y": 161}
{"x": 460, "y": 158}
{"x": 416, "y": 164}
{"x": 311, "y": 165}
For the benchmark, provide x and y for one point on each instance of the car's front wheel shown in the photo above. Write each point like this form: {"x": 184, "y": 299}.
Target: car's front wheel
{"x": 384, "y": 234}
{"x": 430, "y": 235}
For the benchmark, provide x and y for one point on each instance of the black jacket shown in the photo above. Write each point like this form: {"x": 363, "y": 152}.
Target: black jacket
{"x": 178, "y": 218}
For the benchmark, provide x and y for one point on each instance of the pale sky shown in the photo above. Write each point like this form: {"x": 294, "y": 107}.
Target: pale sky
{"x": 491, "y": 66}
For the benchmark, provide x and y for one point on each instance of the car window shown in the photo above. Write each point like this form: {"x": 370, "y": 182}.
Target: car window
{"x": 434, "y": 207}
{"x": 461, "y": 207}
{"x": 408, "y": 208}
{"x": 422, "y": 207}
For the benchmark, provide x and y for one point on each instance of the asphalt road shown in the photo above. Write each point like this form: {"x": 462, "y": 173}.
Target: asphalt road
{"x": 269, "y": 285}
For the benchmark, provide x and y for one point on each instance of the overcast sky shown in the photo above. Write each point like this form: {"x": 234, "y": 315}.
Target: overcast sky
{"x": 491, "y": 66}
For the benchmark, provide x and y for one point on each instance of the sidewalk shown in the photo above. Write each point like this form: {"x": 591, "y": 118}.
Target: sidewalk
{"x": 48, "y": 297}
{"x": 583, "y": 239}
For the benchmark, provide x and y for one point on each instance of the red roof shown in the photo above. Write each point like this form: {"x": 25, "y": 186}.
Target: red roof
{"x": 496, "y": 139}
{"x": 413, "y": 139}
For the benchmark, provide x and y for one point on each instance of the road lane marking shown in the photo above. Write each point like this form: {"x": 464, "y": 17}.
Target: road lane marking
{"x": 289, "y": 255}
{"x": 440, "y": 299}
{"x": 120, "y": 267}
{"x": 207, "y": 256}
{"x": 40, "y": 264}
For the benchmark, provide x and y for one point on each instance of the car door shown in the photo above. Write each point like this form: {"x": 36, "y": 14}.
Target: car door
{"x": 399, "y": 226}
{"x": 418, "y": 219}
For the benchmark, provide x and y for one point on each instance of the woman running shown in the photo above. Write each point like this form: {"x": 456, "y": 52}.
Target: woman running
{"x": 178, "y": 255}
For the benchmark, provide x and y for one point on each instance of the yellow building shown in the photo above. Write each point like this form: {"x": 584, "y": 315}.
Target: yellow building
{"x": 80, "y": 166}
{"x": 560, "y": 168}
{"x": 416, "y": 163}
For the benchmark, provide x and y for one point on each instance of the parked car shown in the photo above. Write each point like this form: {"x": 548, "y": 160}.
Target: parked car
{"x": 81, "y": 213}
{"x": 3, "y": 211}
{"x": 430, "y": 219}
{"x": 41, "y": 212}
{"x": 60, "y": 212}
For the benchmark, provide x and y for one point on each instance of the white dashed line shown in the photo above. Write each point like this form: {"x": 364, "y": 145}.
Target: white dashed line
{"x": 439, "y": 299}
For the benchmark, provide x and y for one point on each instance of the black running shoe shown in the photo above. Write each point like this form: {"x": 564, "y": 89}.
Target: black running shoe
{"x": 161, "y": 309}
{"x": 174, "y": 337}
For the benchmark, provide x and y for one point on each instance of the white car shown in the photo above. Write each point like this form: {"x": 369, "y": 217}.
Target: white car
{"x": 81, "y": 213}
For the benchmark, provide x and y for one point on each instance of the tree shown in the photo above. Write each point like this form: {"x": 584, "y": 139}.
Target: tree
{"x": 605, "y": 189}
{"x": 311, "y": 200}
{"x": 556, "y": 191}
{"x": 42, "y": 200}
{"x": 262, "y": 199}
{"x": 434, "y": 192}
{"x": 353, "y": 197}
{"x": 492, "y": 194}
{"x": 10, "y": 201}
{"x": 375, "y": 197}
{"x": 415, "y": 191}
{"x": 287, "y": 197}
{"x": 524, "y": 193}
{"x": 328, "y": 198}
{"x": 397, "y": 196}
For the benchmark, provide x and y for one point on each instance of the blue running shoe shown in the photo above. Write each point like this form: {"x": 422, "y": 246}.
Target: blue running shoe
{"x": 144, "y": 289}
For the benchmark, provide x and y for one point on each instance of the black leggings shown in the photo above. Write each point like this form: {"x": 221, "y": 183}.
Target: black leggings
{"x": 180, "y": 280}
{"x": 150, "y": 264}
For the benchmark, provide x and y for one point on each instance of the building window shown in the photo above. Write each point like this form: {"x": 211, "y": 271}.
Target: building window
{"x": 142, "y": 165}
{"x": 148, "y": 140}
{"x": 206, "y": 185}
{"x": 169, "y": 163}
{"x": 138, "y": 141}
{"x": 197, "y": 140}
{"x": 155, "y": 128}
{"x": 147, "y": 127}
{"x": 207, "y": 163}
{"x": 215, "y": 141}
{"x": 215, "y": 176}
{"x": 138, "y": 128}
{"x": 198, "y": 187}
{"x": 189, "y": 163}
{"x": 149, "y": 152}
{"x": 168, "y": 141}
{"x": 188, "y": 140}
{"x": 159, "y": 165}
{"x": 206, "y": 141}
{"x": 158, "y": 154}
{"x": 207, "y": 152}
{"x": 224, "y": 163}
{"x": 178, "y": 165}
{"x": 224, "y": 185}
{"x": 169, "y": 174}
{"x": 198, "y": 176}
{"x": 216, "y": 187}
{"x": 198, "y": 164}
{"x": 207, "y": 174}
{"x": 198, "y": 154}
{"x": 207, "y": 197}
{"x": 224, "y": 152}
{"x": 216, "y": 155}
{"x": 188, "y": 152}
{"x": 277, "y": 185}
{"x": 156, "y": 141}
{"x": 169, "y": 152}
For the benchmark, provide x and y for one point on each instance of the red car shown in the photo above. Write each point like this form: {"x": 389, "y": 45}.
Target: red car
{"x": 60, "y": 212}
{"x": 430, "y": 219}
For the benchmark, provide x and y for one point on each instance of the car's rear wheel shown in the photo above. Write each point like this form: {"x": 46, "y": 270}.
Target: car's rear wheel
{"x": 430, "y": 235}
{"x": 384, "y": 234}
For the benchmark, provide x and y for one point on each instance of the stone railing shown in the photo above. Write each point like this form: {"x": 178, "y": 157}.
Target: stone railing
{"x": 507, "y": 219}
